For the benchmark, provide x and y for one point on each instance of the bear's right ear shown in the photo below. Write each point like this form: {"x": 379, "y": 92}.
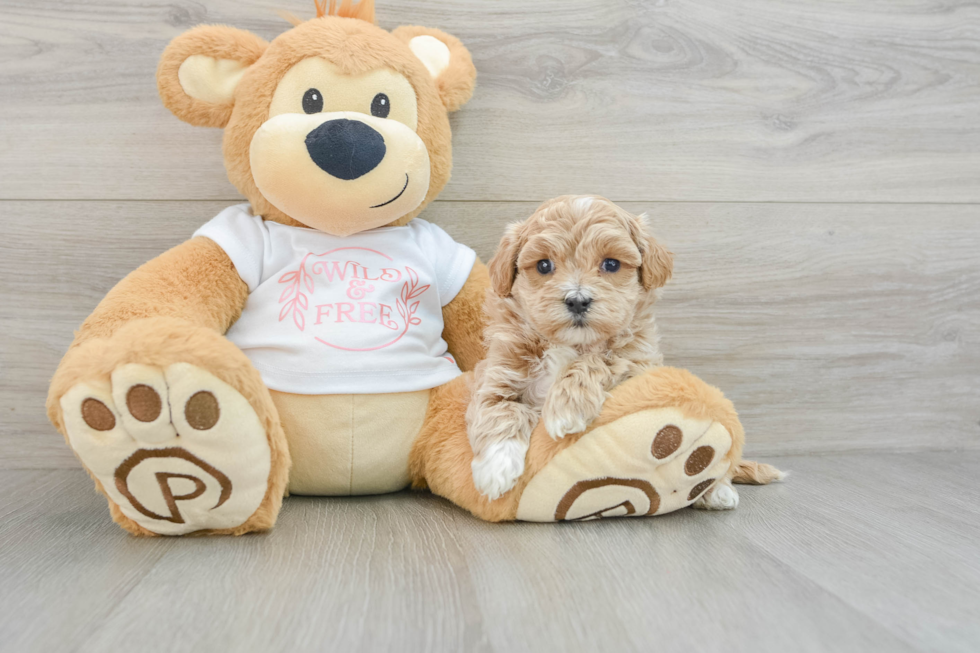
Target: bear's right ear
{"x": 446, "y": 59}
{"x": 200, "y": 69}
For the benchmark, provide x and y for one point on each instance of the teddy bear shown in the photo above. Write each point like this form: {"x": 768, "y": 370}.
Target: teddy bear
{"x": 317, "y": 339}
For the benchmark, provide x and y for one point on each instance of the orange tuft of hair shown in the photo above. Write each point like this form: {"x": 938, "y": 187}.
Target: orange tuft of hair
{"x": 363, "y": 10}
{"x": 290, "y": 17}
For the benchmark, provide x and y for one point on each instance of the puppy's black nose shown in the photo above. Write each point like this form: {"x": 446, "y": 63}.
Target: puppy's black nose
{"x": 346, "y": 149}
{"x": 577, "y": 305}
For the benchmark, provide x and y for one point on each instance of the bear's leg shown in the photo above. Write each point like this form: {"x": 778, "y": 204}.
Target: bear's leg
{"x": 176, "y": 427}
{"x": 663, "y": 439}
{"x": 441, "y": 458}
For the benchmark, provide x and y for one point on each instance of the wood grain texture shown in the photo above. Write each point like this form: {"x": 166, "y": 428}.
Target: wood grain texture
{"x": 832, "y": 328}
{"x": 855, "y": 552}
{"x": 871, "y": 527}
{"x": 759, "y": 100}
{"x": 694, "y": 584}
{"x": 369, "y": 574}
{"x": 63, "y": 565}
{"x": 804, "y": 160}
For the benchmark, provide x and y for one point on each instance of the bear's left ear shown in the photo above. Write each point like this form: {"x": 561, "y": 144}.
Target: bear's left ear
{"x": 200, "y": 69}
{"x": 447, "y": 60}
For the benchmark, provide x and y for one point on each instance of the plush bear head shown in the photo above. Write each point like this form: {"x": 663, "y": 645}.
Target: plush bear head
{"x": 336, "y": 124}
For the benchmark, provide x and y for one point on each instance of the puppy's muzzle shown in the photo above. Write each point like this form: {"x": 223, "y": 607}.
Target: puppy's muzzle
{"x": 346, "y": 149}
{"x": 578, "y": 305}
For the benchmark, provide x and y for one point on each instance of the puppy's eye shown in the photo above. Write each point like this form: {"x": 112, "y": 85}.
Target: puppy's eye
{"x": 545, "y": 266}
{"x": 380, "y": 106}
{"x": 610, "y": 265}
{"x": 312, "y": 101}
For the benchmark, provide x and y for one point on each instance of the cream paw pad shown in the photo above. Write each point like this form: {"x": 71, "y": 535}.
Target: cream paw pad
{"x": 650, "y": 462}
{"x": 177, "y": 449}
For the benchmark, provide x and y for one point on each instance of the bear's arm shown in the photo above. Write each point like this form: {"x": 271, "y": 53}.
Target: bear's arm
{"x": 464, "y": 319}
{"x": 195, "y": 281}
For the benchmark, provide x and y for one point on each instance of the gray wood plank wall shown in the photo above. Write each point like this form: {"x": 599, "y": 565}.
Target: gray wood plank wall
{"x": 818, "y": 179}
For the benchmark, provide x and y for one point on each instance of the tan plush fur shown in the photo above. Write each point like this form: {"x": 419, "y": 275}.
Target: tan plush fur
{"x": 162, "y": 341}
{"x": 545, "y": 359}
{"x": 216, "y": 41}
{"x": 176, "y": 307}
{"x": 749, "y": 472}
{"x": 195, "y": 281}
{"x": 356, "y": 47}
{"x": 363, "y": 10}
{"x": 464, "y": 319}
{"x": 456, "y": 83}
{"x": 442, "y": 456}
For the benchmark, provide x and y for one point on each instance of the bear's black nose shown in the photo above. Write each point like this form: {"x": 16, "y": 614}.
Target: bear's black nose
{"x": 346, "y": 149}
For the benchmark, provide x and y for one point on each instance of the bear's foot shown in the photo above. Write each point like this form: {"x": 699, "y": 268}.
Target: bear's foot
{"x": 650, "y": 462}
{"x": 176, "y": 449}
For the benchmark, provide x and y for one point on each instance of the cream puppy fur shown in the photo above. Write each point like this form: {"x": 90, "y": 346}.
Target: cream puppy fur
{"x": 570, "y": 315}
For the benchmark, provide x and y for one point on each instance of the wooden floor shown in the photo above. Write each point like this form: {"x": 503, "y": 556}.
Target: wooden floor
{"x": 857, "y": 552}
{"x": 813, "y": 164}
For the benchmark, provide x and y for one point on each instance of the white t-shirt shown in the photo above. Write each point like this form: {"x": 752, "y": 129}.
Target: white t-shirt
{"x": 354, "y": 315}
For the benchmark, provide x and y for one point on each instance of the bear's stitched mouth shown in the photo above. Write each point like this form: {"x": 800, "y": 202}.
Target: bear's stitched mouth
{"x": 400, "y": 193}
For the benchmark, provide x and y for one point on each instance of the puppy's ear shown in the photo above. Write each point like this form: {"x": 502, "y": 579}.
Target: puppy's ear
{"x": 503, "y": 265}
{"x": 200, "y": 69}
{"x": 656, "y": 262}
{"x": 447, "y": 60}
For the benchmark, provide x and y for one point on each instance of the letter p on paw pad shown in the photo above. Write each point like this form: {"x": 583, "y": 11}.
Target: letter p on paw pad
{"x": 177, "y": 449}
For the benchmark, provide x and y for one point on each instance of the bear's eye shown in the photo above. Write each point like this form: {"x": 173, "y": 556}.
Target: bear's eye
{"x": 610, "y": 265}
{"x": 545, "y": 266}
{"x": 380, "y": 106}
{"x": 312, "y": 101}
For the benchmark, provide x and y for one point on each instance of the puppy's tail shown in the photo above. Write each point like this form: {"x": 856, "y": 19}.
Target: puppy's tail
{"x": 749, "y": 472}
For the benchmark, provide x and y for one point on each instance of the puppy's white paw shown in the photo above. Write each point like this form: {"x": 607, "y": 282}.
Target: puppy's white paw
{"x": 721, "y": 497}
{"x": 559, "y": 425}
{"x": 497, "y": 468}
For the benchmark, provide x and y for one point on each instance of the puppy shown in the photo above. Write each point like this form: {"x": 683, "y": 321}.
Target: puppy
{"x": 570, "y": 315}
